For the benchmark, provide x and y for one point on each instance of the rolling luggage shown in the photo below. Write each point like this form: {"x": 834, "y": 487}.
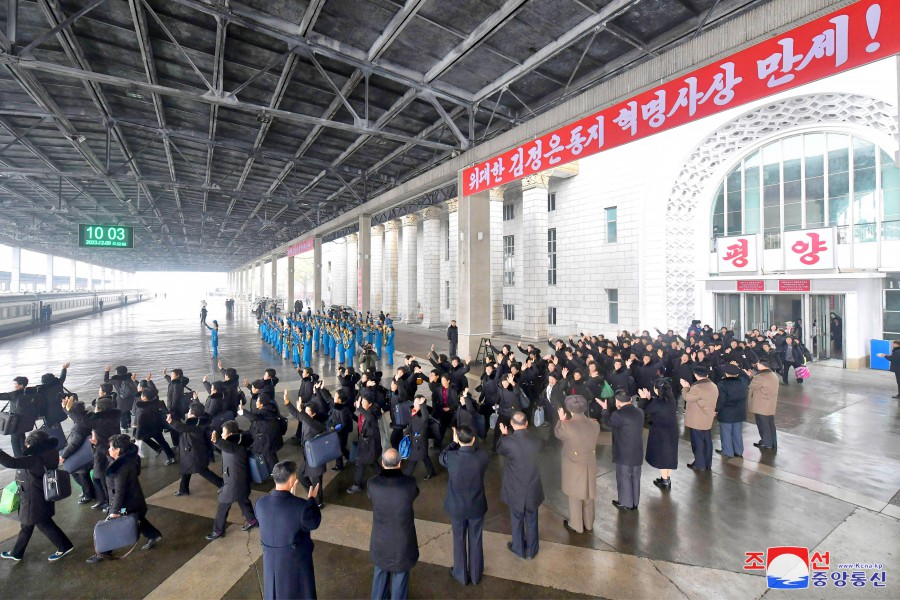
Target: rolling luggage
{"x": 82, "y": 457}
{"x": 322, "y": 449}
{"x": 112, "y": 534}
{"x": 259, "y": 470}
{"x": 57, "y": 485}
{"x": 55, "y": 432}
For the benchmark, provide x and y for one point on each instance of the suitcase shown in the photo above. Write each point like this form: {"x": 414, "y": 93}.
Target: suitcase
{"x": 802, "y": 372}
{"x": 8, "y": 421}
{"x": 57, "y": 485}
{"x": 322, "y": 449}
{"x": 259, "y": 471}
{"x": 113, "y": 534}
{"x": 82, "y": 457}
{"x": 9, "y": 502}
{"x": 55, "y": 432}
{"x": 400, "y": 413}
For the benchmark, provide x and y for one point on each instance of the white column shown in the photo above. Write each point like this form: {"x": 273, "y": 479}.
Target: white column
{"x": 317, "y": 273}
{"x": 431, "y": 251}
{"x": 496, "y": 209}
{"x": 534, "y": 249}
{"x": 364, "y": 264}
{"x": 352, "y": 275}
{"x": 73, "y": 283}
{"x": 15, "y": 281}
{"x": 90, "y": 277}
{"x": 409, "y": 302}
{"x": 391, "y": 285}
{"x": 274, "y": 268}
{"x": 49, "y": 283}
{"x": 474, "y": 271}
{"x": 290, "y": 284}
{"x": 377, "y": 266}
{"x": 453, "y": 264}
{"x": 339, "y": 272}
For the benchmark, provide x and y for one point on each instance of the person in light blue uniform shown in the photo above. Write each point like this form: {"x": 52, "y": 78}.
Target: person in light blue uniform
{"x": 307, "y": 349}
{"x": 389, "y": 345}
{"x": 214, "y": 340}
{"x": 296, "y": 355}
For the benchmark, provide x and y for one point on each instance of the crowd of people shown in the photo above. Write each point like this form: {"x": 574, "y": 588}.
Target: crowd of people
{"x": 386, "y": 427}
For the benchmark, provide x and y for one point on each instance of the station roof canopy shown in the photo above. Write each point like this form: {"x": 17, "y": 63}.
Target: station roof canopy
{"x": 220, "y": 129}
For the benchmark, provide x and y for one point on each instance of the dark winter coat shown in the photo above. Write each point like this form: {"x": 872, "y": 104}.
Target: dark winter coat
{"x": 77, "y": 435}
{"x": 369, "y": 449}
{"x": 509, "y": 401}
{"x": 149, "y": 417}
{"x": 122, "y": 479}
{"x": 731, "y": 407}
{"x": 466, "y": 466}
{"x": 103, "y": 425}
{"x": 627, "y": 424}
{"x": 174, "y": 394}
{"x": 235, "y": 467}
{"x": 521, "y": 489}
{"x": 894, "y": 359}
{"x": 33, "y": 509}
{"x": 662, "y": 441}
{"x": 50, "y": 406}
{"x": 418, "y": 435}
{"x": 126, "y": 390}
{"x": 311, "y": 428}
{"x": 622, "y": 380}
{"x": 285, "y": 523}
{"x": 24, "y": 403}
{"x": 193, "y": 452}
{"x": 265, "y": 429}
{"x": 393, "y": 545}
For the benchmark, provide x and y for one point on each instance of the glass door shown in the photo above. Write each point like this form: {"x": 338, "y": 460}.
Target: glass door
{"x": 759, "y": 312}
{"x": 826, "y": 331}
{"x": 728, "y": 312}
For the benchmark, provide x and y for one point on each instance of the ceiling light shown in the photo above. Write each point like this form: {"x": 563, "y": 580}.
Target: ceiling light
{"x": 263, "y": 118}
{"x": 134, "y": 94}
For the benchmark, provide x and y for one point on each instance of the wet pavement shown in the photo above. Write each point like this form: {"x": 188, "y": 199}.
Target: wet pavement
{"x": 833, "y": 486}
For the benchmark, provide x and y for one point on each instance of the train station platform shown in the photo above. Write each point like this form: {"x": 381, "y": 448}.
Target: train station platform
{"x": 833, "y": 486}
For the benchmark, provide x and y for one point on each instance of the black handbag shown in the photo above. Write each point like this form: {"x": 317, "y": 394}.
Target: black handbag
{"x": 8, "y": 421}
{"x": 57, "y": 485}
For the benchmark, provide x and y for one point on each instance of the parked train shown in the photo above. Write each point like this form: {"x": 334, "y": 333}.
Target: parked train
{"x": 21, "y": 312}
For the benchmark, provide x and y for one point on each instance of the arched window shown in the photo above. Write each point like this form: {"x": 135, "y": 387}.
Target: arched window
{"x": 821, "y": 179}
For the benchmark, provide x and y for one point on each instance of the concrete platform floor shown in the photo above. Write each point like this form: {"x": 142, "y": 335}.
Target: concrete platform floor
{"x": 832, "y": 486}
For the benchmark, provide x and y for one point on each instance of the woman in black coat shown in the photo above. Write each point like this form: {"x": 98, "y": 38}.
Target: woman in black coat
{"x": 662, "y": 442}
{"x": 234, "y": 445}
{"x": 52, "y": 391}
{"x": 79, "y": 433}
{"x": 218, "y": 407}
{"x": 104, "y": 423}
{"x": 149, "y": 418}
{"x": 418, "y": 438}
{"x": 193, "y": 451}
{"x": 310, "y": 476}
{"x": 34, "y": 511}
{"x": 266, "y": 431}
{"x": 340, "y": 419}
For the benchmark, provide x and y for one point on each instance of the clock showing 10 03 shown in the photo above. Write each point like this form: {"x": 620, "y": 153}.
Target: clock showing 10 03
{"x": 105, "y": 236}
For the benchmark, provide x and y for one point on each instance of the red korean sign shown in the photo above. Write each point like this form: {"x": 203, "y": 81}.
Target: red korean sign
{"x": 853, "y": 36}
{"x": 751, "y": 285}
{"x": 300, "y": 248}
{"x": 794, "y": 285}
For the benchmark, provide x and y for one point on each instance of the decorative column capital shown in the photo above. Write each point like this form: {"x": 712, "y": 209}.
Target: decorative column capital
{"x": 353, "y": 237}
{"x": 393, "y": 225}
{"x": 496, "y": 193}
{"x": 453, "y": 205}
{"x": 378, "y": 230}
{"x": 411, "y": 220}
{"x": 431, "y": 213}
{"x": 538, "y": 180}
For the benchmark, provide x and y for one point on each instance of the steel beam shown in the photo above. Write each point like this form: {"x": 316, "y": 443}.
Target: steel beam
{"x": 463, "y": 140}
{"x": 394, "y": 28}
{"x": 12, "y": 22}
{"x": 310, "y": 16}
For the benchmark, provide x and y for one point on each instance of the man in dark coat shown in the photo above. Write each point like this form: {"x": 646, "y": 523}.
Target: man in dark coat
{"x": 311, "y": 427}
{"x": 126, "y": 494}
{"x": 51, "y": 392}
{"x": 393, "y": 545}
{"x": 521, "y": 489}
{"x": 149, "y": 421}
{"x": 126, "y": 391}
{"x": 193, "y": 452}
{"x": 466, "y": 504}
{"x": 177, "y": 382}
{"x": 234, "y": 445}
{"x": 731, "y": 410}
{"x": 627, "y": 426}
{"x": 40, "y": 454}
{"x": 285, "y": 522}
{"x": 369, "y": 448}
{"x": 453, "y": 337}
{"x": 894, "y": 359}
{"x": 418, "y": 439}
{"x": 265, "y": 427}
{"x": 23, "y": 402}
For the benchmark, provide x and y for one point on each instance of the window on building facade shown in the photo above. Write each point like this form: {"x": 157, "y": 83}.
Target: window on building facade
{"x": 613, "y": 297}
{"x": 551, "y": 201}
{"x": 509, "y": 260}
{"x": 551, "y": 257}
{"x": 551, "y": 315}
{"x": 447, "y": 243}
{"x": 509, "y": 312}
{"x": 509, "y": 212}
{"x": 821, "y": 179}
{"x": 612, "y": 233}
{"x": 447, "y": 294}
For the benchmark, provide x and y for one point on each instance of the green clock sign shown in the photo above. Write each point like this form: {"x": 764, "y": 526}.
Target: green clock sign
{"x": 105, "y": 236}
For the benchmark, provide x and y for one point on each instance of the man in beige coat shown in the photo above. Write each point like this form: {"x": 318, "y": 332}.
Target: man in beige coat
{"x": 700, "y": 410}
{"x": 579, "y": 436}
{"x": 761, "y": 401}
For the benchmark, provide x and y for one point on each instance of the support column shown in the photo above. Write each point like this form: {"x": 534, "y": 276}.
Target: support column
{"x": 391, "y": 285}
{"x": 431, "y": 242}
{"x": 73, "y": 281}
{"x": 496, "y": 209}
{"x": 364, "y": 265}
{"x": 262, "y": 279}
{"x": 274, "y": 293}
{"x": 409, "y": 308}
{"x": 376, "y": 270}
{"x": 474, "y": 320}
{"x": 338, "y": 257}
{"x": 290, "y": 284}
{"x": 15, "y": 281}
{"x": 352, "y": 277}
{"x": 49, "y": 283}
{"x": 534, "y": 249}
{"x": 90, "y": 277}
{"x": 317, "y": 273}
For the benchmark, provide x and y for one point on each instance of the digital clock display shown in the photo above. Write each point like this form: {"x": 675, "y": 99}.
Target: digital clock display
{"x": 105, "y": 236}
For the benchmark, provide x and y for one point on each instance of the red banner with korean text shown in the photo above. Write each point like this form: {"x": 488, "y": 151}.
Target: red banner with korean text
{"x": 300, "y": 248}
{"x": 858, "y": 34}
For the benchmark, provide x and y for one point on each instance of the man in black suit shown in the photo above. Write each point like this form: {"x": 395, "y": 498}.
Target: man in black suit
{"x": 369, "y": 444}
{"x": 627, "y": 424}
{"x": 393, "y": 546}
{"x": 453, "y": 337}
{"x": 521, "y": 489}
{"x": 465, "y": 503}
{"x": 554, "y": 396}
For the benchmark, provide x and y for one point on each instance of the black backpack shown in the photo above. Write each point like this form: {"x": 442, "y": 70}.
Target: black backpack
{"x": 282, "y": 425}
{"x": 125, "y": 388}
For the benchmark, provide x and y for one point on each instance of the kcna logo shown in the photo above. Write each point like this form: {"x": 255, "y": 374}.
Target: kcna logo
{"x": 787, "y": 567}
